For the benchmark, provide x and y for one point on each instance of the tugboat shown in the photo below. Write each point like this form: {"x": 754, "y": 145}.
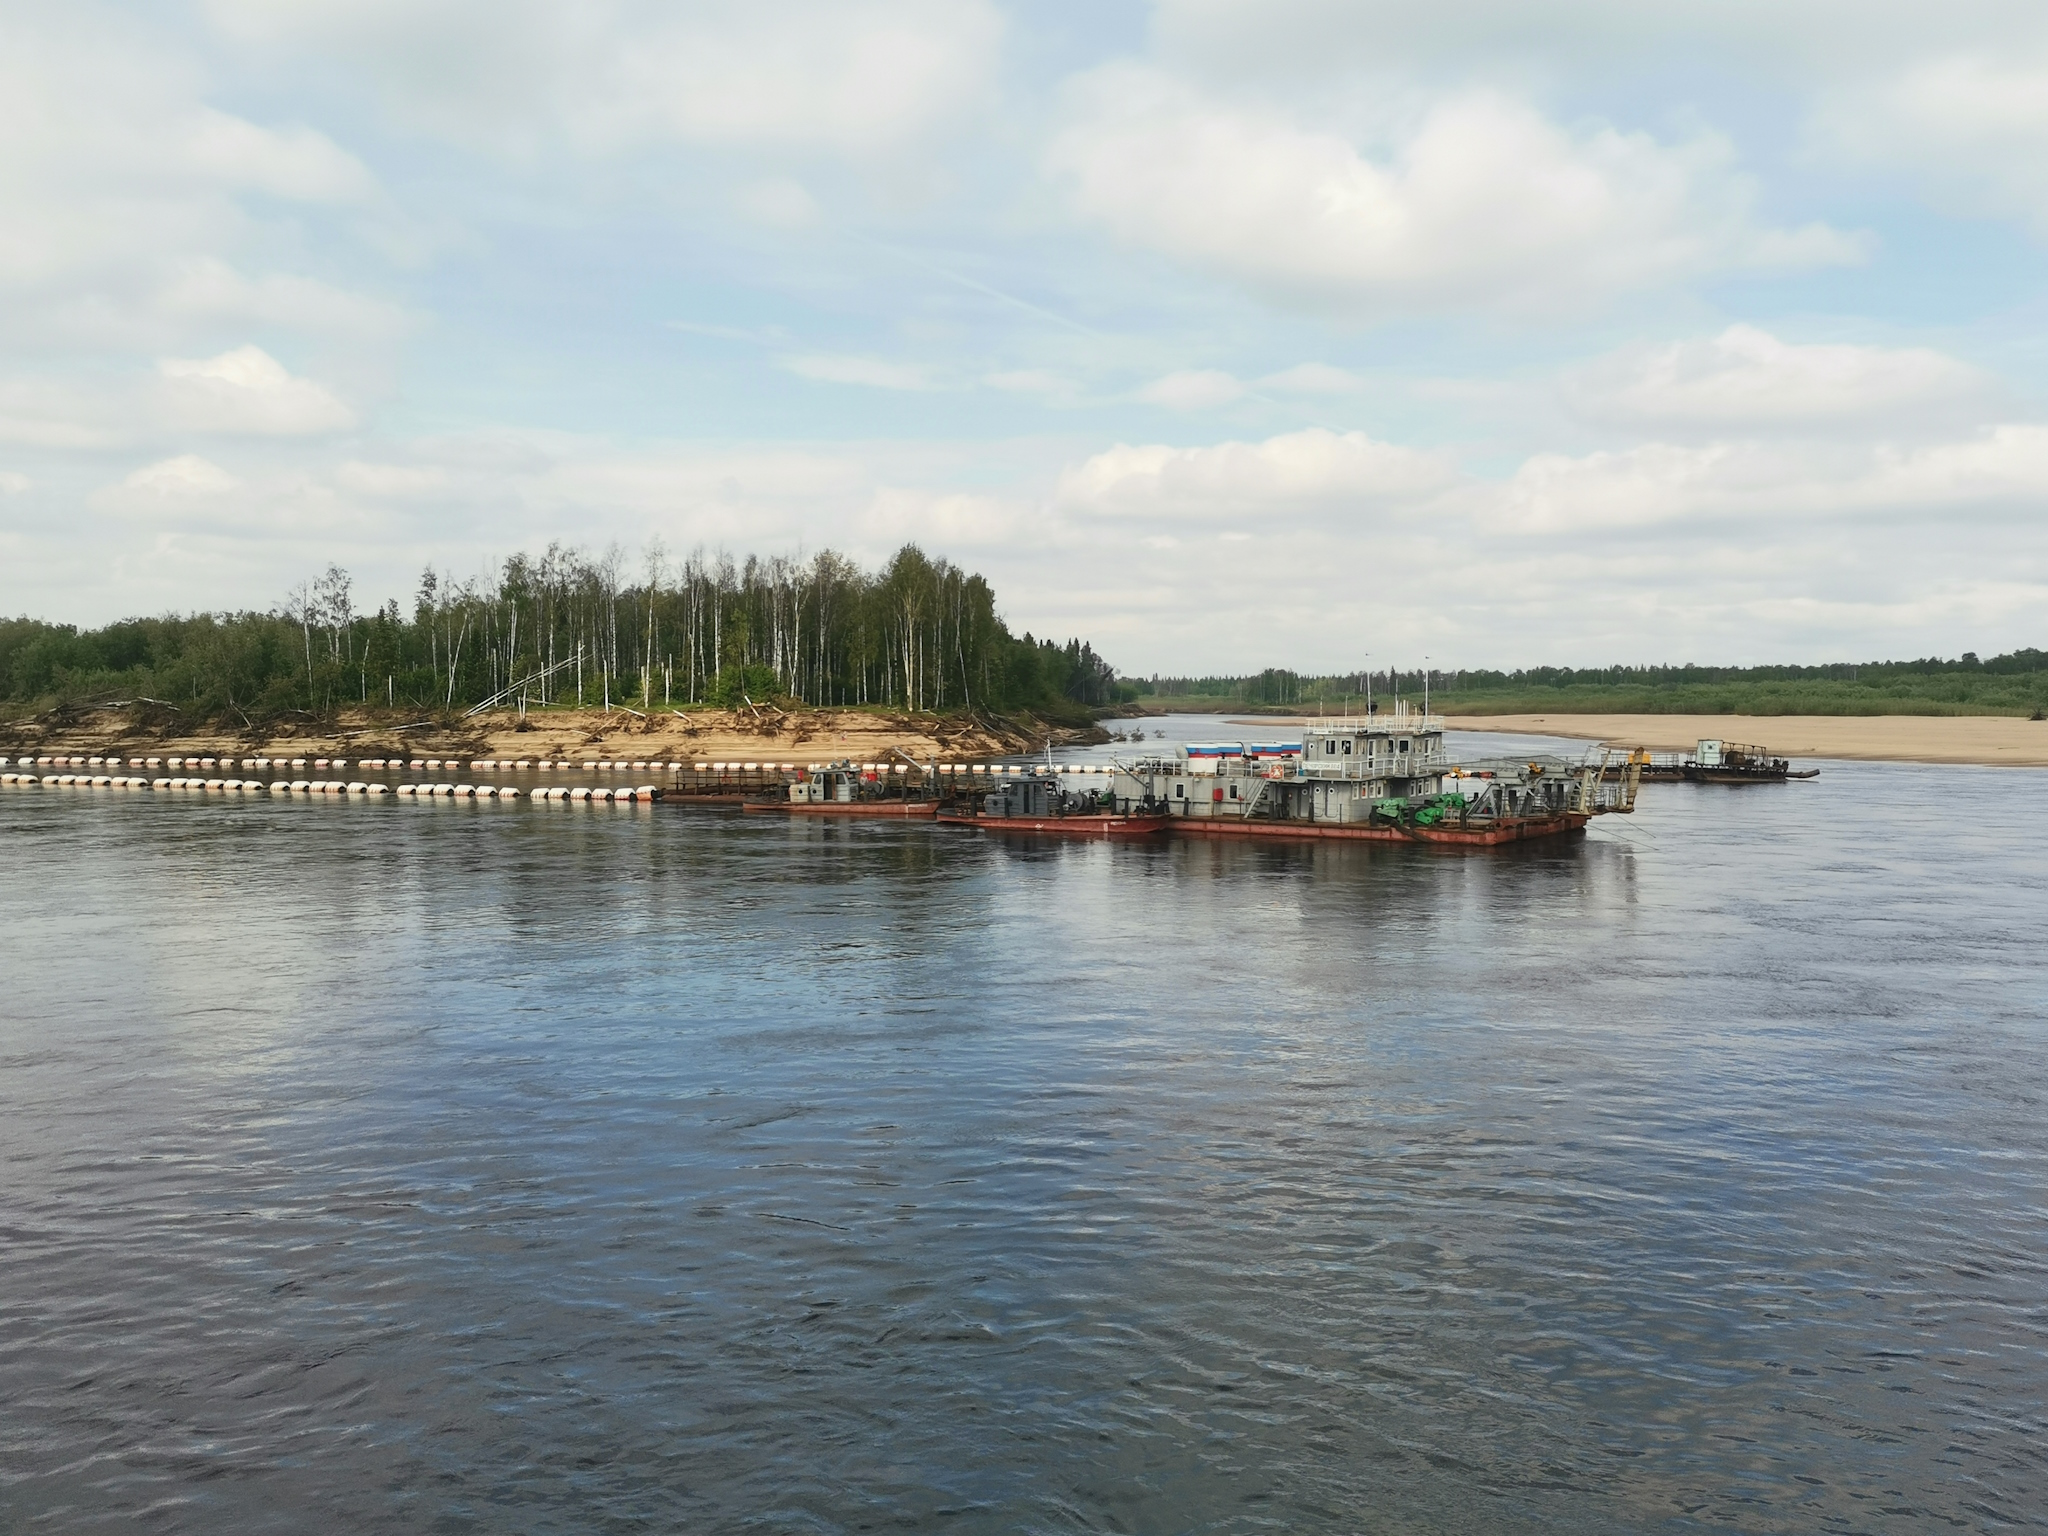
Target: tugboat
{"x": 1730, "y": 762}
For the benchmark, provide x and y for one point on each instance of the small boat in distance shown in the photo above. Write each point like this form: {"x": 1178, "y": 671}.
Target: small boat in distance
{"x": 1711, "y": 762}
{"x": 1731, "y": 762}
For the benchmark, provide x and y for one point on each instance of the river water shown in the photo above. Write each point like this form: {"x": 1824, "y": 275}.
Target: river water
{"x": 533, "y": 1167}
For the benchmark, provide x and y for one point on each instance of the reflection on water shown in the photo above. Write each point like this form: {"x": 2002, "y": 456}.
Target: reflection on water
{"x": 546, "y": 1167}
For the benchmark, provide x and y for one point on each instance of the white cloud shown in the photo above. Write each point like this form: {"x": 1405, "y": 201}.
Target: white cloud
{"x": 1483, "y": 201}
{"x": 1197, "y": 390}
{"x": 172, "y": 197}
{"x": 1319, "y": 545}
{"x": 248, "y": 391}
{"x": 54, "y": 414}
{"x": 1555, "y": 493}
{"x": 294, "y": 162}
{"x": 940, "y": 520}
{"x": 182, "y": 477}
{"x": 1323, "y": 479}
{"x": 1971, "y": 126}
{"x": 1994, "y": 474}
{"x": 1956, "y": 96}
{"x": 1739, "y": 551}
{"x": 12, "y": 484}
{"x": 1747, "y": 379}
{"x": 847, "y": 78}
{"x": 1309, "y": 41}
{"x": 206, "y": 291}
{"x": 393, "y": 482}
{"x": 113, "y": 161}
{"x": 1312, "y": 379}
{"x": 2003, "y": 465}
{"x": 449, "y": 496}
{"x": 138, "y": 213}
{"x": 870, "y": 372}
{"x": 185, "y": 533}
{"x": 1282, "y": 475}
{"x": 244, "y": 392}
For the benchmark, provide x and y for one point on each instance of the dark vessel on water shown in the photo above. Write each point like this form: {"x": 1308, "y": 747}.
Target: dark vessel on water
{"x": 1041, "y": 804}
{"x": 1369, "y": 778}
{"x": 1711, "y": 762}
{"x": 851, "y": 789}
{"x": 1730, "y": 762}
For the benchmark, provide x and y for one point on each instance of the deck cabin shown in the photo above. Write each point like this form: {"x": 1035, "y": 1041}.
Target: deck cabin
{"x": 1335, "y": 773}
{"x": 836, "y": 783}
{"x": 1037, "y": 796}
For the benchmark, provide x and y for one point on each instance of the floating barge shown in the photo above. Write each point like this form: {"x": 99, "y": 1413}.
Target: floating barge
{"x": 1040, "y": 806}
{"x": 1490, "y": 833}
{"x": 1730, "y": 762}
{"x": 1081, "y": 824}
{"x": 1711, "y": 762}
{"x": 847, "y": 789}
{"x": 900, "y": 809}
{"x": 1380, "y": 778}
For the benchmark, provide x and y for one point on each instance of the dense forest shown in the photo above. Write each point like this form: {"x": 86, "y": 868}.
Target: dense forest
{"x": 2015, "y": 683}
{"x": 568, "y": 629}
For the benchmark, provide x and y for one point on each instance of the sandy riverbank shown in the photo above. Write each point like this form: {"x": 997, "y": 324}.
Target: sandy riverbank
{"x": 804, "y": 736}
{"x": 1997, "y": 740}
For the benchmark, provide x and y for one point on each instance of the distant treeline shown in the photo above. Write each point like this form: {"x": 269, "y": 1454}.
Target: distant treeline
{"x": 567, "y": 628}
{"x": 2015, "y": 683}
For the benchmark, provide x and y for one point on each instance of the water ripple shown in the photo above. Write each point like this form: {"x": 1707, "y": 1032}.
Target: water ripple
{"x": 673, "y": 1170}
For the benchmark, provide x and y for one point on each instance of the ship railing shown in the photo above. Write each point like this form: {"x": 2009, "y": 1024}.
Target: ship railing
{"x": 1378, "y": 766}
{"x": 1519, "y": 766}
{"x": 1299, "y": 770}
{"x": 1382, "y": 720}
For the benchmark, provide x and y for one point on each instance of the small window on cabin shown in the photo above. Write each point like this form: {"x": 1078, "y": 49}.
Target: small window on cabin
{"x": 1233, "y": 791}
{"x": 1404, "y": 746}
{"x": 1329, "y": 749}
{"x": 1180, "y": 791}
{"x": 1347, "y": 746}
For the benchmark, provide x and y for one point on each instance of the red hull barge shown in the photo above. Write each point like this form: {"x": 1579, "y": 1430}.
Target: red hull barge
{"x": 901, "y": 809}
{"x": 1519, "y": 829}
{"x": 1064, "y": 826}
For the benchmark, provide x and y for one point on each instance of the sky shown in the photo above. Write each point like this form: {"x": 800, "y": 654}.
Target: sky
{"x": 1310, "y": 333}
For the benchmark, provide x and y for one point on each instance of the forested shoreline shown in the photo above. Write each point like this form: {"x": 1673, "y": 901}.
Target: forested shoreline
{"x": 2013, "y": 684}
{"x": 568, "y": 629}
{"x": 565, "y": 628}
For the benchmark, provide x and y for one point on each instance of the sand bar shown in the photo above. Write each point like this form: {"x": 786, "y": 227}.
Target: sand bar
{"x": 801, "y": 736}
{"x": 1998, "y": 740}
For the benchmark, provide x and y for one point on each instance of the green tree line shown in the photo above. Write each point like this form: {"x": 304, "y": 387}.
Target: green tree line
{"x": 566, "y": 628}
{"x": 2014, "y": 683}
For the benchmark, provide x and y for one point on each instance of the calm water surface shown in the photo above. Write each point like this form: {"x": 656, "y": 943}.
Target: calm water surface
{"x": 444, "y": 1167}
